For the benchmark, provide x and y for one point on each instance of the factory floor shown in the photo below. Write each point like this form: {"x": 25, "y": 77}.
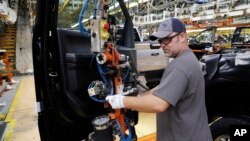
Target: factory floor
{"x": 22, "y": 116}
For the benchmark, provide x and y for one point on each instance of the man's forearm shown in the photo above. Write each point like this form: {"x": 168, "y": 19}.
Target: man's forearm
{"x": 146, "y": 102}
{"x": 150, "y": 91}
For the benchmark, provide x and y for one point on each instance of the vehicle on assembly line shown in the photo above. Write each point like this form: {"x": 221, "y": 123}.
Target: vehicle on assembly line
{"x": 75, "y": 70}
{"x": 227, "y": 79}
{"x": 207, "y": 42}
{"x": 74, "y": 73}
{"x": 150, "y": 59}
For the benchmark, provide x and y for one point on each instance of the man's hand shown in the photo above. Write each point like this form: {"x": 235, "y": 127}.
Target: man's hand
{"x": 116, "y": 101}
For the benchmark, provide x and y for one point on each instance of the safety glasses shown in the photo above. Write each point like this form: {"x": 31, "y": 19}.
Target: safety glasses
{"x": 167, "y": 39}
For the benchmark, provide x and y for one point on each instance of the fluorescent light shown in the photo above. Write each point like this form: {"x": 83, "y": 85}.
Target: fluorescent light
{"x": 195, "y": 30}
{"x": 111, "y": 8}
{"x": 83, "y": 21}
{"x": 75, "y": 25}
{"x": 227, "y": 28}
{"x": 223, "y": 28}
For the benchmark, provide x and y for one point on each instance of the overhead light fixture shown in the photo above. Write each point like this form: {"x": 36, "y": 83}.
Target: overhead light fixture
{"x": 227, "y": 28}
{"x": 195, "y": 30}
{"x": 85, "y": 20}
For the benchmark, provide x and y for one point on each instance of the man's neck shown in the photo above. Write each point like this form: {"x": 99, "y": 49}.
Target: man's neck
{"x": 184, "y": 48}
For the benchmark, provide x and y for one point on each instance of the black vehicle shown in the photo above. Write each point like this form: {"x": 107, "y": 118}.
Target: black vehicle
{"x": 241, "y": 38}
{"x": 64, "y": 68}
{"x": 69, "y": 74}
{"x": 227, "y": 82}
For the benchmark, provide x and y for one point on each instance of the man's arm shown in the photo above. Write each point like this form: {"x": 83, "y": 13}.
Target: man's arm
{"x": 146, "y": 102}
{"x": 150, "y": 91}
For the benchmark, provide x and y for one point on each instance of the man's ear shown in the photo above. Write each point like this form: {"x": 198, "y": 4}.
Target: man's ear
{"x": 183, "y": 36}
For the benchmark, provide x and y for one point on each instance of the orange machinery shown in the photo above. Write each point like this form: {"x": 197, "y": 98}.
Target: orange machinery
{"x": 6, "y": 66}
{"x": 109, "y": 63}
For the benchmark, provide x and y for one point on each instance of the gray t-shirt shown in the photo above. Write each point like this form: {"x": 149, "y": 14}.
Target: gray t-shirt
{"x": 182, "y": 86}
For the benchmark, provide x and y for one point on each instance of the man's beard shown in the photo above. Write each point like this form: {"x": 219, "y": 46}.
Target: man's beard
{"x": 168, "y": 54}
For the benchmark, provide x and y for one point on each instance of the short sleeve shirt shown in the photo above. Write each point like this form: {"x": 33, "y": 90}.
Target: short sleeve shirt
{"x": 182, "y": 86}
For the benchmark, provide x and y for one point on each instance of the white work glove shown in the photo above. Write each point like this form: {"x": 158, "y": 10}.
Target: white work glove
{"x": 116, "y": 101}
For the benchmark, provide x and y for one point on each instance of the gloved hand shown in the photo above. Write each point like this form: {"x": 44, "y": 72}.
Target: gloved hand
{"x": 116, "y": 101}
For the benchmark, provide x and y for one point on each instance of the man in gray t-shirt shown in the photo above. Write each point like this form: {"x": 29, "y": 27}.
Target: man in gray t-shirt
{"x": 182, "y": 86}
{"x": 179, "y": 99}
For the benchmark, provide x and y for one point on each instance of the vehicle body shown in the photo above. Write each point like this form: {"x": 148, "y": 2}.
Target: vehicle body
{"x": 207, "y": 42}
{"x": 150, "y": 58}
{"x": 64, "y": 67}
{"x": 227, "y": 84}
{"x": 241, "y": 38}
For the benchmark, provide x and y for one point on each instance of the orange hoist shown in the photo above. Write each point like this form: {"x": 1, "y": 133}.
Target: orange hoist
{"x": 115, "y": 70}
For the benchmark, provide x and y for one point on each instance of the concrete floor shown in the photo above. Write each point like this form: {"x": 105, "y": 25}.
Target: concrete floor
{"x": 23, "y": 117}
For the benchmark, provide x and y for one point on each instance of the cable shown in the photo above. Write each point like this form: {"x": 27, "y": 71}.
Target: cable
{"x": 123, "y": 138}
{"x": 120, "y": 131}
{"x": 106, "y": 81}
{"x": 95, "y": 8}
{"x": 126, "y": 75}
{"x": 129, "y": 129}
{"x": 112, "y": 87}
{"x": 82, "y": 29}
{"x": 97, "y": 100}
{"x": 102, "y": 73}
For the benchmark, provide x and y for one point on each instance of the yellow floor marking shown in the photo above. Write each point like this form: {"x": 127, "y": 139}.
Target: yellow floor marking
{"x": 151, "y": 137}
{"x": 12, "y": 122}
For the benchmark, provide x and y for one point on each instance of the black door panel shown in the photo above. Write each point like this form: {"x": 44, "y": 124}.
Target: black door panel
{"x": 78, "y": 69}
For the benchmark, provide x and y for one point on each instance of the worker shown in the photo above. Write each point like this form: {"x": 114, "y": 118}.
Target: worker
{"x": 179, "y": 99}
